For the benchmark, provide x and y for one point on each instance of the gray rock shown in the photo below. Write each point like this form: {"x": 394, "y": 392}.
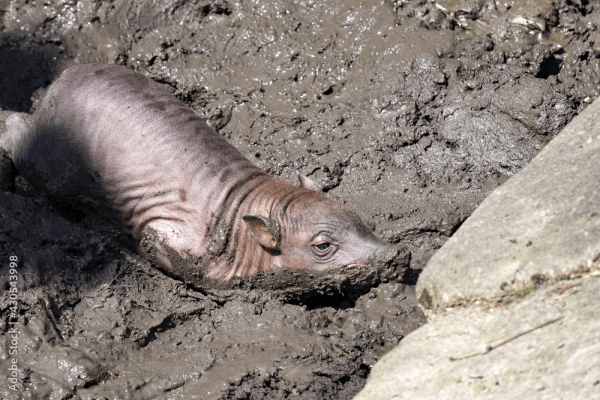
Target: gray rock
{"x": 542, "y": 225}
{"x": 512, "y": 298}
{"x": 545, "y": 347}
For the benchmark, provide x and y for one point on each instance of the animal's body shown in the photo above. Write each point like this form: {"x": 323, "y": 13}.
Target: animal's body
{"x": 118, "y": 142}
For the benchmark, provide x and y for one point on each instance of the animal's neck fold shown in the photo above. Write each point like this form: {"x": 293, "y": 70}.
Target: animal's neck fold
{"x": 268, "y": 198}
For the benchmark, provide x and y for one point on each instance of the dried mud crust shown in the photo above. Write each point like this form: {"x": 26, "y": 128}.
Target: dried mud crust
{"x": 410, "y": 111}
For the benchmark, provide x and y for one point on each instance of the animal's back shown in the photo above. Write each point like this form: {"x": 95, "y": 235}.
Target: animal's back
{"x": 113, "y": 139}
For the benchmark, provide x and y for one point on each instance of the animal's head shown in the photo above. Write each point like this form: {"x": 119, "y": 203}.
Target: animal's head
{"x": 314, "y": 231}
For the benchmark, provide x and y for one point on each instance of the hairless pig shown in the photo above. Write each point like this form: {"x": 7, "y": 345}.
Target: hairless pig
{"x": 119, "y": 143}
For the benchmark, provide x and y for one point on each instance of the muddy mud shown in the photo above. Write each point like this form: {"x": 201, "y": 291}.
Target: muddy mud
{"x": 410, "y": 112}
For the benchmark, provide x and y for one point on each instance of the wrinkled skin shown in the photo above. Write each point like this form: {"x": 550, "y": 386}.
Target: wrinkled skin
{"x": 120, "y": 144}
{"x": 326, "y": 235}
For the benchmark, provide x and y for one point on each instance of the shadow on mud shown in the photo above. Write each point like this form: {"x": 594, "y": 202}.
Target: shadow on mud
{"x": 550, "y": 66}
{"x": 25, "y": 69}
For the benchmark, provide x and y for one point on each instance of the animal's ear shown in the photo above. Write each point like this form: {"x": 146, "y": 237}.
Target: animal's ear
{"x": 265, "y": 231}
{"x": 308, "y": 183}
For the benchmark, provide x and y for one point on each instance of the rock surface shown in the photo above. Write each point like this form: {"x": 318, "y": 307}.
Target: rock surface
{"x": 512, "y": 298}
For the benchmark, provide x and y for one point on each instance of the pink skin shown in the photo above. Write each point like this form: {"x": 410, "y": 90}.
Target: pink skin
{"x": 316, "y": 233}
{"x": 327, "y": 236}
{"x": 119, "y": 143}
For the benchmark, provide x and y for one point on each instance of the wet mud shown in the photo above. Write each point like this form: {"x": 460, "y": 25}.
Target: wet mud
{"x": 410, "y": 112}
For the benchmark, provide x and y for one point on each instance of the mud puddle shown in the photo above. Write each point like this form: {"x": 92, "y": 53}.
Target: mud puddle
{"x": 411, "y": 112}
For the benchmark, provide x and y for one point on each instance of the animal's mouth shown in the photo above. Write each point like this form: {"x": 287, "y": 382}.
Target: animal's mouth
{"x": 319, "y": 267}
{"x": 356, "y": 265}
{"x": 350, "y": 264}
{"x": 360, "y": 263}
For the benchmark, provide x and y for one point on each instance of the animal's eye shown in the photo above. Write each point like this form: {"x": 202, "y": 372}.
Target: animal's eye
{"x": 323, "y": 246}
{"x": 323, "y": 250}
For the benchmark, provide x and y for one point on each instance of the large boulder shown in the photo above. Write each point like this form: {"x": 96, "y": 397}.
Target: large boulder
{"x": 512, "y": 298}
